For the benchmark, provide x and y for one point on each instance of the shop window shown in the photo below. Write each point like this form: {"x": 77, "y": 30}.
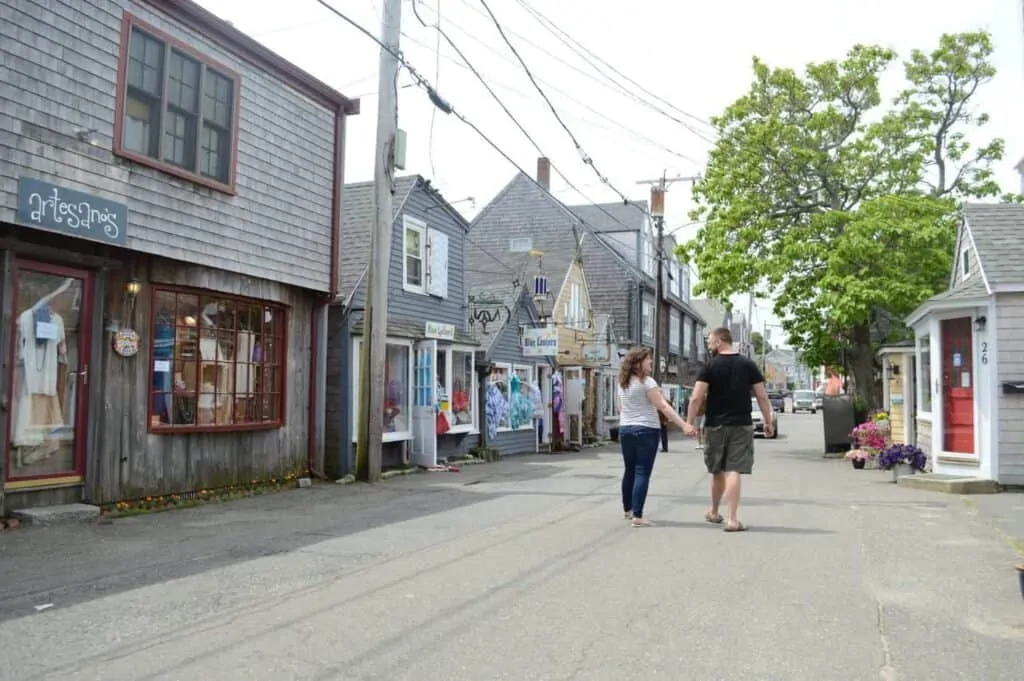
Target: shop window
{"x": 218, "y": 362}
{"x": 462, "y": 408}
{"x": 397, "y": 405}
{"x": 924, "y": 350}
{"x": 610, "y": 396}
{"x": 519, "y": 415}
{"x": 177, "y": 112}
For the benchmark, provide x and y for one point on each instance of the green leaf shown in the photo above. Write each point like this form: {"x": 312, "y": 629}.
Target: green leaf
{"x": 842, "y": 205}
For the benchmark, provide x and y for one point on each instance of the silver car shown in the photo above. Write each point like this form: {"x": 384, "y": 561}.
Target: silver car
{"x": 755, "y": 416}
{"x": 803, "y": 400}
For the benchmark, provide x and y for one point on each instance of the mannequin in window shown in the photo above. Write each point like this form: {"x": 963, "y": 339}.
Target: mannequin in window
{"x": 40, "y": 356}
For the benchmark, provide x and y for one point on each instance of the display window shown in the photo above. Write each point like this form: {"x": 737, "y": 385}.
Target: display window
{"x": 218, "y": 362}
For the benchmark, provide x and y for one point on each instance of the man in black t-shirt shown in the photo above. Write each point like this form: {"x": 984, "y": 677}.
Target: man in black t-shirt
{"x": 726, "y": 382}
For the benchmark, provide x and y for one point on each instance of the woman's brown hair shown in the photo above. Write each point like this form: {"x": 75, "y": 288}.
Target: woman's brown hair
{"x": 632, "y": 365}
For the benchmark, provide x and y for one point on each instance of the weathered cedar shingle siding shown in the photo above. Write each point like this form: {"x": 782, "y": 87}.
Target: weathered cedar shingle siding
{"x": 61, "y": 57}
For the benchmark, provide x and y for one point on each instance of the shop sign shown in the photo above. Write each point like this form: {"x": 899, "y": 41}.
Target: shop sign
{"x": 540, "y": 342}
{"x": 47, "y": 206}
{"x": 439, "y": 331}
{"x": 596, "y": 353}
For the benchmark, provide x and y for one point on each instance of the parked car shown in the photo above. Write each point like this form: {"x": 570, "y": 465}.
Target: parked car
{"x": 819, "y": 399}
{"x": 755, "y": 415}
{"x": 778, "y": 401}
{"x": 804, "y": 400}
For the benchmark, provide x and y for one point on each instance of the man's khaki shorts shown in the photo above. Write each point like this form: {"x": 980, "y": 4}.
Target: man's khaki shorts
{"x": 729, "y": 449}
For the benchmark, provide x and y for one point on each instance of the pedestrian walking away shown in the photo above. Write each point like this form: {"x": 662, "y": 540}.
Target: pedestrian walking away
{"x": 723, "y": 389}
{"x": 640, "y": 403}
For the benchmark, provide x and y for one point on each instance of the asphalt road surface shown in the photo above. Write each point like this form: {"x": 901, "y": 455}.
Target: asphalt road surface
{"x": 525, "y": 570}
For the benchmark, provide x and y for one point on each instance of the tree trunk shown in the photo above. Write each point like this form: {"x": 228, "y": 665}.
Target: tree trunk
{"x": 862, "y": 365}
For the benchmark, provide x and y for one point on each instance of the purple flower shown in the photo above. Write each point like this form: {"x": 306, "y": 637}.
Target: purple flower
{"x": 896, "y": 454}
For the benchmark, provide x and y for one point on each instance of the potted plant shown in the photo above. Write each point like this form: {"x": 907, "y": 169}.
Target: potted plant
{"x": 860, "y": 456}
{"x": 881, "y": 419}
{"x": 902, "y": 460}
{"x": 868, "y": 435}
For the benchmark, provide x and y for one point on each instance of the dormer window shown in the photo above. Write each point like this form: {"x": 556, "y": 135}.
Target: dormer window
{"x": 965, "y": 263}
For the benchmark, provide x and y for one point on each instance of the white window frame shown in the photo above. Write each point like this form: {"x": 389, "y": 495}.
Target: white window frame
{"x": 357, "y": 343}
{"x": 965, "y": 263}
{"x": 511, "y": 368}
{"x": 574, "y": 307}
{"x": 515, "y": 244}
{"x": 674, "y": 327}
{"x": 647, "y": 319}
{"x": 411, "y": 224}
{"x": 449, "y": 351}
{"x": 689, "y": 329}
{"x": 647, "y": 248}
{"x": 923, "y": 342}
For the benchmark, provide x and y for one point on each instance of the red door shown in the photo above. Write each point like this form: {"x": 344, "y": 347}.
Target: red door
{"x": 50, "y": 357}
{"x": 958, "y": 385}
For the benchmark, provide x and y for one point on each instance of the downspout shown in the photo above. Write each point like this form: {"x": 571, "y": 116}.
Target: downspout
{"x": 318, "y": 322}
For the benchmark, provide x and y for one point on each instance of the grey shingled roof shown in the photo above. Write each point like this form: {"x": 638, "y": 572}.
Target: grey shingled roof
{"x": 997, "y": 230}
{"x": 711, "y": 311}
{"x": 613, "y": 217}
{"x": 357, "y": 225}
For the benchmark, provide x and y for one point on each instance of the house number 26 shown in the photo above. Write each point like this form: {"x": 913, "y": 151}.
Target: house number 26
{"x": 984, "y": 352}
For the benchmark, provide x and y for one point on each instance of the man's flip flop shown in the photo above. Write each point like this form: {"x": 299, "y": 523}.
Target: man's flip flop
{"x": 713, "y": 518}
{"x": 738, "y": 527}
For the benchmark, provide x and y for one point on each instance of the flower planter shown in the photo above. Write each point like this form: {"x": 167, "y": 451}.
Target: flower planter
{"x": 859, "y": 464}
{"x": 901, "y": 469}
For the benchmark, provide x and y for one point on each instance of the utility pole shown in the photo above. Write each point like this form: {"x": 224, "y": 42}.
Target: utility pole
{"x": 375, "y": 318}
{"x": 658, "y": 189}
{"x": 748, "y": 328}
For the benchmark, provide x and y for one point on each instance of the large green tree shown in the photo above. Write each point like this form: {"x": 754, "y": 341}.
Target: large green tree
{"x": 841, "y": 205}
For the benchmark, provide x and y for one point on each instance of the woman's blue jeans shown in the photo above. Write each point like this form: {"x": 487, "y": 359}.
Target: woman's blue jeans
{"x": 639, "y": 449}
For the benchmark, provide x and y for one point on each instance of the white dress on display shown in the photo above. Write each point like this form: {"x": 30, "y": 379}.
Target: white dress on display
{"x": 39, "y": 351}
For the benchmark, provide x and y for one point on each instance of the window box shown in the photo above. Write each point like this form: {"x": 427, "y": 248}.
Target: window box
{"x": 218, "y": 362}
{"x": 176, "y": 109}
{"x": 397, "y": 406}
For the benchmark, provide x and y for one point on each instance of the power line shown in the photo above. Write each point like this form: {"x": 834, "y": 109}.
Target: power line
{"x": 583, "y": 155}
{"x": 579, "y": 49}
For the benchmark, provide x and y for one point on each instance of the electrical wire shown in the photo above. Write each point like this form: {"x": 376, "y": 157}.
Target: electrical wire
{"x": 579, "y": 148}
{"x": 437, "y": 83}
{"x": 579, "y": 49}
{"x": 619, "y": 127}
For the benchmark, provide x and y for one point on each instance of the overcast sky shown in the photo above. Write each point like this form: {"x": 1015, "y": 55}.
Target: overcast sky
{"x": 694, "y": 55}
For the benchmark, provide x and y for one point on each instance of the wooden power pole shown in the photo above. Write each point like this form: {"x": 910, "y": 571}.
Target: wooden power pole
{"x": 370, "y": 429}
{"x": 657, "y": 210}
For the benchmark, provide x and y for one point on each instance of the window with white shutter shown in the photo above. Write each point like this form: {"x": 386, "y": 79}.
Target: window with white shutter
{"x": 437, "y": 271}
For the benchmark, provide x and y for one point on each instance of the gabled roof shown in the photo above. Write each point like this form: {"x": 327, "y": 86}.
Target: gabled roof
{"x": 996, "y": 231}
{"x": 358, "y": 218}
{"x": 613, "y": 217}
{"x": 711, "y": 311}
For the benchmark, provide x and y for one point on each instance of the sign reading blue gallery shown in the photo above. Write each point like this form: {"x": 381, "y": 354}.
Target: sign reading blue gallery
{"x": 45, "y": 205}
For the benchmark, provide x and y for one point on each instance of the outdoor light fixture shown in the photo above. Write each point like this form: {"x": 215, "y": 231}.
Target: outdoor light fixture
{"x": 979, "y": 323}
{"x": 133, "y": 287}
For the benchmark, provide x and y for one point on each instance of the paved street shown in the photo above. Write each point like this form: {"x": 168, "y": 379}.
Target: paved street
{"x": 525, "y": 570}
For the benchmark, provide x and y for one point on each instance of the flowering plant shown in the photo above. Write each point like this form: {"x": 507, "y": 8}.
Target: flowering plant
{"x": 897, "y": 454}
{"x": 861, "y": 454}
{"x": 869, "y": 435}
{"x": 879, "y": 415}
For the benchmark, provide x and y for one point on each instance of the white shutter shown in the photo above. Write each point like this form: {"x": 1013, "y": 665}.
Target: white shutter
{"x": 437, "y": 272}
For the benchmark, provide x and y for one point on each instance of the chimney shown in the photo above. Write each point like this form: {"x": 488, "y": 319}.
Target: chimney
{"x": 544, "y": 172}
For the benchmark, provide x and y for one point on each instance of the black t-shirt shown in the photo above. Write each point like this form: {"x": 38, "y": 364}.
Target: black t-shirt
{"x": 730, "y": 380}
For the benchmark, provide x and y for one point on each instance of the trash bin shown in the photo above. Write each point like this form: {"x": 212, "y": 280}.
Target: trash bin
{"x": 613, "y": 433}
{"x": 838, "y": 420}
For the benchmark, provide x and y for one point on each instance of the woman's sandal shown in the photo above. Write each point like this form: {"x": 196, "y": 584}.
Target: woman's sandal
{"x": 738, "y": 527}
{"x": 641, "y": 522}
{"x": 715, "y": 519}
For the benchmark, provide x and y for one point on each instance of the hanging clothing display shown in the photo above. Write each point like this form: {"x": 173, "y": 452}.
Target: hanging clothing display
{"x": 520, "y": 408}
{"x": 556, "y": 401}
{"x": 496, "y": 408}
{"x": 40, "y": 355}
